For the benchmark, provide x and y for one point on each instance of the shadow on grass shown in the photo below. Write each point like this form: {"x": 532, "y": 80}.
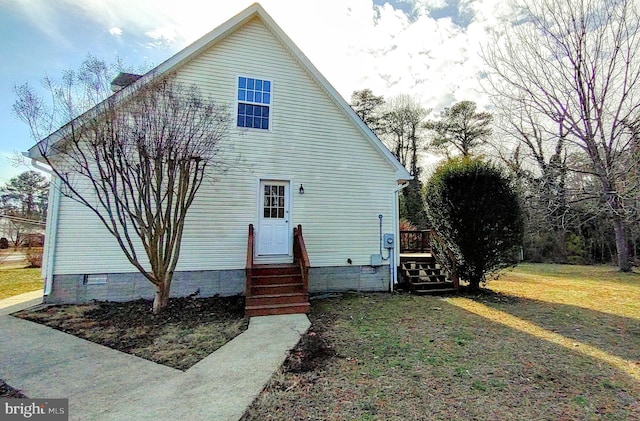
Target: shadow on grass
{"x": 614, "y": 334}
{"x": 408, "y": 357}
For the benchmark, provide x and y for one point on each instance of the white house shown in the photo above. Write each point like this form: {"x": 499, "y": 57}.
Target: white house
{"x": 307, "y": 153}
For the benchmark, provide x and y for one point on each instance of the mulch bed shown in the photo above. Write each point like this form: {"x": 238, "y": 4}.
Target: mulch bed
{"x": 7, "y": 391}
{"x": 187, "y": 331}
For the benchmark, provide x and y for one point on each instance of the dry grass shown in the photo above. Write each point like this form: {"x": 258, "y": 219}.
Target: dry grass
{"x": 19, "y": 281}
{"x": 546, "y": 342}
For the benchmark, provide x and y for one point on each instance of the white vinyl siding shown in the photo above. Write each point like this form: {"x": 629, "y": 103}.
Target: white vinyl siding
{"x": 311, "y": 141}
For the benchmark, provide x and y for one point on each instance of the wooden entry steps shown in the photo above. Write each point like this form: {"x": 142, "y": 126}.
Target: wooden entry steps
{"x": 276, "y": 289}
{"x": 423, "y": 275}
{"x": 280, "y": 288}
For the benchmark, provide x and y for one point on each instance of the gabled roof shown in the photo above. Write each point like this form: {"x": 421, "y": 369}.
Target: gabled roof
{"x": 218, "y": 34}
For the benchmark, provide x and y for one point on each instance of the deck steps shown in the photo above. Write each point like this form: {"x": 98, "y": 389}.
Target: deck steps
{"x": 423, "y": 275}
{"x": 276, "y": 289}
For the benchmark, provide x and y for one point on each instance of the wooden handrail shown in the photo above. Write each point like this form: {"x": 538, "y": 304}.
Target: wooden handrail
{"x": 415, "y": 241}
{"x": 249, "y": 267}
{"x": 301, "y": 256}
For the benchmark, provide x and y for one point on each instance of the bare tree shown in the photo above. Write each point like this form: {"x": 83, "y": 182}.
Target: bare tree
{"x": 575, "y": 63}
{"x": 403, "y": 133}
{"x": 403, "y": 120}
{"x": 460, "y": 128}
{"x": 539, "y": 158}
{"x": 136, "y": 160}
{"x": 368, "y": 106}
{"x": 15, "y": 230}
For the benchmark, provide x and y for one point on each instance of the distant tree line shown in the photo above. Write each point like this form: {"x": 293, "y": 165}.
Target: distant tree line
{"x": 401, "y": 123}
{"x": 566, "y": 81}
{"x": 565, "y": 124}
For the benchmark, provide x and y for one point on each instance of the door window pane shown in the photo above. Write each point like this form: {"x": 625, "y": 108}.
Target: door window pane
{"x": 274, "y": 202}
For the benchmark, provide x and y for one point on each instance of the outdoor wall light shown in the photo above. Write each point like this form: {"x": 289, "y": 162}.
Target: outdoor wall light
{"x": 301, "y": 189}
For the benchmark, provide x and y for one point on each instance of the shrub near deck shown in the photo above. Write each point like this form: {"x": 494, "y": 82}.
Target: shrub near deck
{"x": 407, "y": 357}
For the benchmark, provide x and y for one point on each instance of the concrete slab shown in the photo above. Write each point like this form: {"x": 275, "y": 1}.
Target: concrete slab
{"x": 221, "y": 386}
{"x": 46, "y": 363}
{"x": 104, "y": 384}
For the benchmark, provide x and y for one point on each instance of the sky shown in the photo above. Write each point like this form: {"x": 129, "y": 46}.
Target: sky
{"x": 425, "y": 48}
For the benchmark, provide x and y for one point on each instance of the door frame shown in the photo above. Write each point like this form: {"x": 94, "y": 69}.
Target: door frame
{"x": 274, "y": 258}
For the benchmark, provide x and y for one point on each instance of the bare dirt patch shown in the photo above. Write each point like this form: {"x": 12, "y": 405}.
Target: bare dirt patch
{"x": 186, "y": 332}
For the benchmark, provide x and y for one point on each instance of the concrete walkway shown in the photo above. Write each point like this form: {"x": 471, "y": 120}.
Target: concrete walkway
{"x": 20, "y": 302}
{"x": 104, "y": 384}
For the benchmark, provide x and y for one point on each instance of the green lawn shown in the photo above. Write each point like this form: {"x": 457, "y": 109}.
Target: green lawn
{"x": 546, "y": 342}
{"x": 18, "y": 281}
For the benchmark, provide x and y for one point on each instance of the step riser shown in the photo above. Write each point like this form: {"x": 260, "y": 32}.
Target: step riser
{"x": 276, "y": 279}
{"x": 421, "y": 279}
{"x": 432, "y": 285}
{"x": 293, "y": 270}
{"x": 422, "y": 273}
{"x": 427, "y": 261}
{"x": 260, "y": 300}
{"x": 277, "y": 289}
{"x": 271, "y": 311}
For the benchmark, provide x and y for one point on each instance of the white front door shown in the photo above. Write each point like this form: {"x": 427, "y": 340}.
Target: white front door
{"x": 273, "y": 231}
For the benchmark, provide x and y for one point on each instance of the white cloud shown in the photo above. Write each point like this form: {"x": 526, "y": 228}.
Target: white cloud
{"x": 354, "y": 43}
{"x": 424, "y": 6}
{"x": 162, "y": 36}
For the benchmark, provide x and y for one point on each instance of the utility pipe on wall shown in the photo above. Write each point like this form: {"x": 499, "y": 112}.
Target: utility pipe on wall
{"x": 396, "y": 231}
{"x": 51, "y": 228}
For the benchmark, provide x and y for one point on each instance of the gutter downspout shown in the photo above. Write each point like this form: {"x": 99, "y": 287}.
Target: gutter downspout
{"x": 396, "y": 233}
{"x": 51, "y": 228}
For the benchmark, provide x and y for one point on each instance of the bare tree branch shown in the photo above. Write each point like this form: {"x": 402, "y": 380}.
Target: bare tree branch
{"x": 136, "y": 161}
{"x": 574, "y": 63}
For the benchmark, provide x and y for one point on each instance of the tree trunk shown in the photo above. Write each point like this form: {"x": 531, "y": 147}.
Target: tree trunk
{"x": 474, "y": 283}
{"x": 621, "y": 246}
{"x": 162, "y": 297}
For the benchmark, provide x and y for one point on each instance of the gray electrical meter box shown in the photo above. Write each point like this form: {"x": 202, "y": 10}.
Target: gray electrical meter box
{"x": 388, "y": 241}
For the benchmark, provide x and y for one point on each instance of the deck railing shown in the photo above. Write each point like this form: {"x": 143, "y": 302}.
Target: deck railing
{"x": 415, "y": 241}
{"x": 249, "y": 267}
{"x": 300, "y": 256}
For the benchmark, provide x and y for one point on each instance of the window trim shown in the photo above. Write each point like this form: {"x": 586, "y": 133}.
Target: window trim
{"x": 95, "y": 279}
{"x": 237, "y": 102}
